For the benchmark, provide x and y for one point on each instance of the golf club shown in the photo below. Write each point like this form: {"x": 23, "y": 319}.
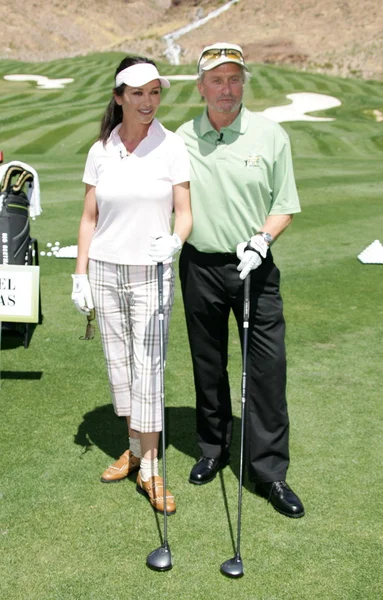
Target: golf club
{"x": 234, "y": 566}
{"x": 161, "y": 558}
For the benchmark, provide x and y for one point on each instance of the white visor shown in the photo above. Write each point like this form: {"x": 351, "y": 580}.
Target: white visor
{"x": 140, "y": 74}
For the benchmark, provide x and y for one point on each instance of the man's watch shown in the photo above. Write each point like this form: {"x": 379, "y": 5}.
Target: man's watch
{"x": 266, "y": 236}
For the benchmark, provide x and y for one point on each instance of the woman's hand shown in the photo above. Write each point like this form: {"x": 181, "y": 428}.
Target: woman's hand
{"x": 164, "y": 246}
{"x": 82, "y": 294}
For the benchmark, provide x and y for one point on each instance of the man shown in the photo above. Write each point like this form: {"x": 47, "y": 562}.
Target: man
{"x": 243, "y": 197}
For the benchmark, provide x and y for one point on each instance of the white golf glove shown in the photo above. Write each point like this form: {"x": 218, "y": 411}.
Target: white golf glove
{"x": 251, "y": 259}
{"x": 164, "y": 246}
{"x": 82, "y": 294}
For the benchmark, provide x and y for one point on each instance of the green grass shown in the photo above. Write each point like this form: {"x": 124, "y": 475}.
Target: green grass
{"x": 64, "y": 535}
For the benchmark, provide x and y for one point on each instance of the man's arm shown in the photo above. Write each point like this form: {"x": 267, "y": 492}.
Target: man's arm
{"x": 252, "y": 253}
{"x": 276, "y": 224}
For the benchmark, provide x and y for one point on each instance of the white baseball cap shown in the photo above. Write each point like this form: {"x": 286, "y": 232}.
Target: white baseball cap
{"x": 219, "y": 54}
{"x": 139, "y": 74}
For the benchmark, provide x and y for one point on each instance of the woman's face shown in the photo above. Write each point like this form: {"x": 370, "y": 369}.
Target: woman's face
{"x": 140, "y": 104}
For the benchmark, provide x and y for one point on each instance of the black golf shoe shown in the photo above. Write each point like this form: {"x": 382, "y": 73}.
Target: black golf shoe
{"x": 206, "y": 469}
{"x": 281, "y": 497}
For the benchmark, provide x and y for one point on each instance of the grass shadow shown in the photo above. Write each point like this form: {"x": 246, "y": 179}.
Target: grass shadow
{"x": 181, "y": 433}
{"x": 21, "y": 374}
{"x": 14, "y": 335}
{"x": 102, "y": 428}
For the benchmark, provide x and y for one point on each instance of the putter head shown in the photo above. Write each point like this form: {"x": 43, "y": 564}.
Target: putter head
{"x": 160, "y": 559}
{"x": 232, "y": 567}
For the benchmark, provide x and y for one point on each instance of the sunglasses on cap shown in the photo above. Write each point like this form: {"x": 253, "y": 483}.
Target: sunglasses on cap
{"x": 214, "y": 53}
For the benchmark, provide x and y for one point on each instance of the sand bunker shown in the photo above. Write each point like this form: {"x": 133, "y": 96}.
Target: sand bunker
{"x": 43, "y": 83}
{"x": 301, "y": 104}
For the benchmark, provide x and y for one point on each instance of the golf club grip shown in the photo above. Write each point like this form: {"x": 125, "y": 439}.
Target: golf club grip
{"x": 160, "y": 273}
{"x": 246, "y": 299}
{"x": 246, "y": 318}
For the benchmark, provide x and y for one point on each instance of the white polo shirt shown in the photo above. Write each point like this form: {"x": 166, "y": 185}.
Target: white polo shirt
{"x": 134, "y": 193}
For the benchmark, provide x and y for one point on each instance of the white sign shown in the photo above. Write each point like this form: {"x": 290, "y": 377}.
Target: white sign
{"x": 19, "y": 293}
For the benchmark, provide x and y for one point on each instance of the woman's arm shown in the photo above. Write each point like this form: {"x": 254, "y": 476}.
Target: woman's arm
{"x": 87, "y": 226}
{"x": 183, "y": 217}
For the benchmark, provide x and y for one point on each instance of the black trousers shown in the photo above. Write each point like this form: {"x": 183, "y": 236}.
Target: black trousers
{"x": 211, "y": 287}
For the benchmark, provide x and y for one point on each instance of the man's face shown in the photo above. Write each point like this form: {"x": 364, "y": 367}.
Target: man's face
{"x": 222, "y": 88}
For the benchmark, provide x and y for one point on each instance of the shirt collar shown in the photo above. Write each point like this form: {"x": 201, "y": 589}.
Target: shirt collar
{"x": 155, "y": 128}
{"x": 239, "y": 125}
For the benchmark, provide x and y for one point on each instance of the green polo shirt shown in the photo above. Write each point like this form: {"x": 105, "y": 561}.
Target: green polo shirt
{"x": 236, "y": 182}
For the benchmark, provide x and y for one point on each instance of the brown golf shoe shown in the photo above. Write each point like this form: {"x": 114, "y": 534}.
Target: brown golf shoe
{"x": 153, "y": 489}
{"x": 126, "y": 464}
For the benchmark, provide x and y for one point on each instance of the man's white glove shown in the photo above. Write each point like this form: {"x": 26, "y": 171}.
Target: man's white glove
{"x": 82, "y": 294}
{"x": 251, "y": 254}
{"x": 164, "y": 246}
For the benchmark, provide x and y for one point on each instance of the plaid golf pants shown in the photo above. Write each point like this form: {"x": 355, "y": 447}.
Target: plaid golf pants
{"x": 126, "y": 303}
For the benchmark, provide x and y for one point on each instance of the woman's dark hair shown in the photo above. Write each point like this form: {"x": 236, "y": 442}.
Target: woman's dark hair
{"x": 113, "y": 113}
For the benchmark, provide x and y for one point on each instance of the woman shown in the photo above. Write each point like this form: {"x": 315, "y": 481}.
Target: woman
{"x": 135, "y": 175}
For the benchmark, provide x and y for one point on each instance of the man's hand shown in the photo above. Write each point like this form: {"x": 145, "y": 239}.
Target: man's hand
{"x": 251, "y": 254}
{"x": 82, "y": 294}
{"x": 164, "y": 246}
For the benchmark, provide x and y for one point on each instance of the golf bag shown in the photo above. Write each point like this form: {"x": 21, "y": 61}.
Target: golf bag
{"x": 14, "y": 217}
{"x": 16, "y": 245}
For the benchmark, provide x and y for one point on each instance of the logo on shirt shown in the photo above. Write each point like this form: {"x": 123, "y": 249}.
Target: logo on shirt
{"x": 253, "y": 161}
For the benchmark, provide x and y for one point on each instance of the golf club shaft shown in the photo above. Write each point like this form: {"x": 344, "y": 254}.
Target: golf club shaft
{"x": 246, "y": 317}
{"x": 160, "y": 273}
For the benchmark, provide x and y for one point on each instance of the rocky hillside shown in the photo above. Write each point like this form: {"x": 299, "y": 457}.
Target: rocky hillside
{"x": 332, "y": 36}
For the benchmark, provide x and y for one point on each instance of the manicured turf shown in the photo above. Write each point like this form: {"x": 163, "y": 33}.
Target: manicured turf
{"x": 66, "y": 536}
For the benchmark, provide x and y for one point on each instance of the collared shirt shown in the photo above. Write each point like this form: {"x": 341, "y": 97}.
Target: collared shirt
{"x": 134, "y": 193}
{"x": 238, "y": 178}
